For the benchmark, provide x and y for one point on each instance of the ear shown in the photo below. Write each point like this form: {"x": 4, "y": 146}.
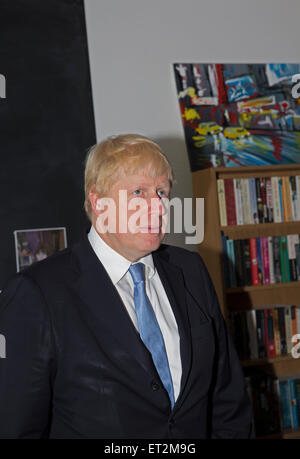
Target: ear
{"x": 93, "y": 197}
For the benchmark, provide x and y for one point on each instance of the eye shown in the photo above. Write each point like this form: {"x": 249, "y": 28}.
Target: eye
{"x": 137, "y": 192}
{"x": 162, "y": 193}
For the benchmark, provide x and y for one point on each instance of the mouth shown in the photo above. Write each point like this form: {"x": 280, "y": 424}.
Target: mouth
{"x": 150, "y": 229}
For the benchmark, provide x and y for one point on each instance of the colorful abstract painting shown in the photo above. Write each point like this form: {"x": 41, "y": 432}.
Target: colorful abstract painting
{"x": 240, "y": 114}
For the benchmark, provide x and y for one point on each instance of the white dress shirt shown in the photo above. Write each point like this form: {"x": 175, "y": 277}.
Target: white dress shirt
{"x": 117, "y": 268}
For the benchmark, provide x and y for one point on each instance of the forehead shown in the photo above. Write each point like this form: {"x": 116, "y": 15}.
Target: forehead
{"x": 141, "y": 178}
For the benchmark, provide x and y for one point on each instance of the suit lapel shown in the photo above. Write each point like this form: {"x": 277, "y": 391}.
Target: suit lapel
{"x": 173, "y": 282}
{"x": 103, "y": 307}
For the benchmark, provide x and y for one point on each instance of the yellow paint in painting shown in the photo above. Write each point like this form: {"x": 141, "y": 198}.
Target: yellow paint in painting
{"x": 190, "y": 114}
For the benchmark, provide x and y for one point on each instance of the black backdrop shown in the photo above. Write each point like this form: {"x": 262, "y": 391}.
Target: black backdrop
{"x": 46, "y": 120}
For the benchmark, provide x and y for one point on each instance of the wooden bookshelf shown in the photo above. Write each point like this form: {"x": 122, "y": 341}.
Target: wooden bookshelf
{"x": 248, "y": 297}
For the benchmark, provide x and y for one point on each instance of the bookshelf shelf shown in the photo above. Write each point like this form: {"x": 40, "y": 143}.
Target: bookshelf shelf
{"x": 261, "y": 230}
{"x": 205, "y": 185}
{"x": 286, "y": 434}
{"x": 280, "y": 366}
{"x": 245, "y": 298}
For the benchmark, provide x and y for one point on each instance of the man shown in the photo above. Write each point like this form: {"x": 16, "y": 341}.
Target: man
{"x": 120, "y": 336}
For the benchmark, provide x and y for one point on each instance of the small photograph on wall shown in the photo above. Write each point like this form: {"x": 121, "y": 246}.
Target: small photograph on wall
{"x": 34, "y": 245}
{"x": 240, "y": 114}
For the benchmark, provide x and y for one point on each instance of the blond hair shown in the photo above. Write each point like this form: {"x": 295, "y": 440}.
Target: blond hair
{"x": 122, "y": 154}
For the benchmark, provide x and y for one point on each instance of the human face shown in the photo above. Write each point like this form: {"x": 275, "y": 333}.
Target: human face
{"x": 131, "y": 245}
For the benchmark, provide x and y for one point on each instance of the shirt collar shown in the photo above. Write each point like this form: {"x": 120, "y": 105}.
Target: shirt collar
{"x": 115, "y": 264}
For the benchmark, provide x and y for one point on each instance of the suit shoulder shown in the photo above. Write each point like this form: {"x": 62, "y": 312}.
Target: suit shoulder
{"x": 179, "y": 254}
{"x": 53, "y": 266}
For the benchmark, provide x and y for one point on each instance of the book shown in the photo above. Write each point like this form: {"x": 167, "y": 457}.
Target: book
{"x": 294, "y": 413}
{"x": 282, "y": 331}
{"x": 293, "y": 193}
{"x": 288, "y": 328}
{"x": 280, "y": 193}
{"x": 252, "y": 333}
{"x": 270, "y": 344}
{"x": 265, "y": 260}
{"x": 284, "y": 259}
{"x": 264, "y": 198}
{"x": 254, "y": 267}
{"x": 253, "y": 200}
{"x": 297, "y": 394}
{"x": 259, "y": 261}
{"x": 226, "y": 266}
{"x": 230, "y": 202}
{"x": 260, "y": 330}
{"x": 246, "y": 203}
{"x": 270, "y": 218}
{"x": 231, "y": 263}
{"x": 222, "y": 202}
{"x": 297, "y": 179}
{"x": 285, "y": 404}
{"x": 271, "y": 260}
{"x": 238, "y": 201}
{"x": 260, "y": 208}
{"x": 245, "y": 247}
{"x": 239, "y": 268}
{"x": 276, "y": 200}
{"x": 292, "y": 257}
{"x": 276, "y": 258}
{"x": 276, "y": 332}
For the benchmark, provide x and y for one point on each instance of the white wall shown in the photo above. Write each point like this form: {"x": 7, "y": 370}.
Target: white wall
{"x": 133, "y": 43}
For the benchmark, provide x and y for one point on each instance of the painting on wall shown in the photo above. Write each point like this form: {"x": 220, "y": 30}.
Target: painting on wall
{"x": 37, "y": 244}
{"x": 239, "y": 114}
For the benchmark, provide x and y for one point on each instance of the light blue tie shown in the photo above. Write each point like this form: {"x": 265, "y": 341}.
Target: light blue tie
{"x": 149, "y": 329}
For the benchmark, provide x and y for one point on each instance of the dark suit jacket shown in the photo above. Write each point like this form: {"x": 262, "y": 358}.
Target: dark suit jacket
{"x": 76, "y": 367}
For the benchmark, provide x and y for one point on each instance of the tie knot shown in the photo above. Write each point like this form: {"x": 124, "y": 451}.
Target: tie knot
{"x": 137, "y": 272}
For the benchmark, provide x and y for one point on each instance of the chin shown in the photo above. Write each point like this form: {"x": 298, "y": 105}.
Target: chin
{"x": 151, "y": 241}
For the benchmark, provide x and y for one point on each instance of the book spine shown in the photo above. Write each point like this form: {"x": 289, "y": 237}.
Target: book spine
{"x": 276, "y": 331}
{"x": 280, "y": 192}
{"x": 271, "y": 259}
{"x": 294, "y": 320}
{"x": 276, "y": 200}
{"x": 222, "y": 202}
{"x": 253, "y": 200}
{"x": 238, "y": 201}
{"x": 297, "y": 391}
{"x": 226, "y": 265}
{"x": 238, "y": 255}
{"x": 293, "y": 193}
{"x": 276, "y": 259}
{"x": 259, "y": 261}
{"x": 260, "y": 330}
{"x": 260, "y": 209}
{"x": 269, "y": 332}
{"x": 282, "y": 331}
{"x": 292, "y": 257}
{"x": 254, "y": 267}
{"x": 297, "y": 251}
{"x": 245, "y": 209}
{"x": 295, "y": 423}
{"x": 269, "y": 199}
{"x": 251, "y": 324}
{"x": 230, "y": 202}
{"x": 264, "y": 198}
{"x": 298, "y": 319}
{"x": 247, "y": 261}
{"x": 231, "y": 261}
{"x": 288, "y": 328}
{"x": 297, "y": 178}
{"x": 285, "y": 403}
{"x": 265, "y": 256}
{"x": 288, "y": 198}
{"x": 284, "y": 259}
